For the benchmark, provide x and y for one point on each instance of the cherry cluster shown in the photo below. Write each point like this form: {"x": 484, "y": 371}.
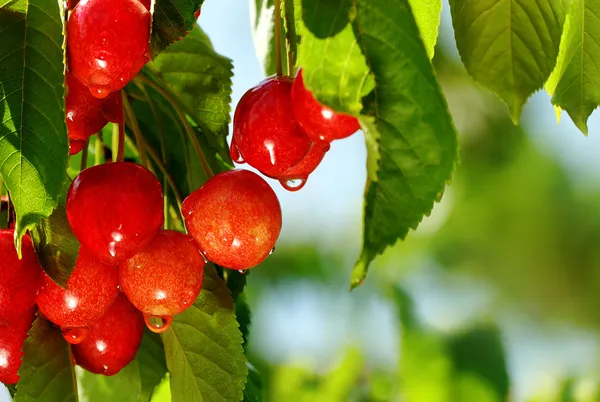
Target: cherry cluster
{"x": 280, "y": 129}
{"x": 129, "y": 270}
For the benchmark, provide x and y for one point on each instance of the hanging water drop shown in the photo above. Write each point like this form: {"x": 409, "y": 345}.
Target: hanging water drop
{"x": 235, "y": 154}
{"x": 75, "y": 335}
{"x": 241, "y": 271}
{"x": 158, "y": 324}
{"x": 292, "y": 184}
{"x": 272, "y": 251}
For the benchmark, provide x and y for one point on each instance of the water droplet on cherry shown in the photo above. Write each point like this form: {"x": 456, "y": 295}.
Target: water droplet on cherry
{"x": 234, "y": 152}
{"x": 293, "y": 184}
{"x": 272, "y": 251}
{"x": 241, "y": 271}
{"x": 75, "y": 335}
{"x": 99, "y": 92}
{"x": 158, "y": 324}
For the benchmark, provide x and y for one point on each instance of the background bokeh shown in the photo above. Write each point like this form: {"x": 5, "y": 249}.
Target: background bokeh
{"x": 495, "y": 297}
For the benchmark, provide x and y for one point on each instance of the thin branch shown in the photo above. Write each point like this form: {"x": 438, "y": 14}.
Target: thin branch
{"x": 121, "y": 145}
{"x": 278, "y": 66}
{"x": 135, "y": 127}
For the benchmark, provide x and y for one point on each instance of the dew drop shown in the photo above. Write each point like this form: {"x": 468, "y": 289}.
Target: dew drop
{"x": 99, "y": 92}
{"x": 75, "y": 335}
{"x": 234, "y": 152}
{"x": 272, "y": 251}
{"x": 158, "y": 324}
{"x": 241, "y": 271}
{"x": 292, "y": 184}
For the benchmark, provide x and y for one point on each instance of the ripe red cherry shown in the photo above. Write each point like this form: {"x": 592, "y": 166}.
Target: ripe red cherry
{"x": 295, "y": 178}
{"x": 91, "y": 289}
{"x": 75, "y": 146}
{"x": 12, "y": 337}
{"x": 113, "y": 340}
{"x": 115, "y": 209}
{"x": 318, "y": 121}
{"x": 164, "y": 279}
{"x": 107, "y": 43}
{"x": 20, "y": 280}
{"x": 235, "y": 218}
{"x": 265, "y": 133}
{"x": 84, "y": 116}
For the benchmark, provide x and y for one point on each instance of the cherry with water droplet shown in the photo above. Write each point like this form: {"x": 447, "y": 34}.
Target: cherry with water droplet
{"x": 115, "y": 209}
{"x": 91, "y": 289}
{"x": 265, "y": 131}
{"x": 235, "y": 219}
{"x": 295, "y": 178}
{"x": 12, "y": 337}
{"x": 107, "y": 43}
{"x": 164, "y": 279}
{"x": 21, "y": 279}
{"x": 319, "y": 122}
{"x": 113, "y": 340}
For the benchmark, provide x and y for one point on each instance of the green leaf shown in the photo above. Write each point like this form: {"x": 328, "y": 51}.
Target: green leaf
{"x": 253, "y": 389}
{"x": 427, "y": 15}
{"x": 204, "y": 347}
{"x": 56, "y": 246}
{"x": 412, "y": 143}
{"x": 171, "y": 21}
{"x": 201, "y": 80}
{"x": 47, "y": 373}
{"x": 509, "y": 46}
{"x": 334, "y": 68}
{"x": 33, "y": 133}
{"x": 575, "y": 82}
{"x": 135, "y": 382}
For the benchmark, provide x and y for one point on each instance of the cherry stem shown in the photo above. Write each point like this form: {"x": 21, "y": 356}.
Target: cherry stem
{"x": 84, "y": 155}
{"x": 98, "y": 150}
{"x": 121, "y": 146}
{"x": 183, "y": 118}
{"x": 278, "y": 64}
{"x": 135, "y": 127}
{"x": 290, "y": 35}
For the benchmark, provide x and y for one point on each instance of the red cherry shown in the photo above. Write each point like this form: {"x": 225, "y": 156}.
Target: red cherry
{"x": 107, "y": 43}
{"x": 197, "y": 13}
{"x": 91, "y": 289}
{"x": 164, "y": 279}
{"x": 84, "y": 117}
{"x": 265, "y": 133}
{"x": 295, "y": 178}
{"x": 112, "y": 107}
{"x": 71, "y": 4}
{"x": 115, "y": 209}
{"x": 318, "y": 121}
{"x": 113, "y": 340}
{"x": 235, "y": 218}
{"x": 21, "y": 279}
{"x": 146, "y": 3}
{"x": 12, "y": 337}
{"x": 75, "y": 146}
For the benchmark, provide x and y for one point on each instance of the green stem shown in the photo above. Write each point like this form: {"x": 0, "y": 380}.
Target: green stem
{"x": 278, "y": 64}
{"x": 135, "y": 127}
{"x": 183, "y": 118}
{"x": 115, "y": 141}
{"x": 291, "y": 37}
{"x": 121, "y": 145}
{"x": 84, "y": 155}
{"x": 98, "y": 150}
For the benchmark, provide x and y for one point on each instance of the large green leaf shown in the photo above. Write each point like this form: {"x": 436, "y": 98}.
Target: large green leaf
{"x": 201, "y": 79}
{"x": 204, "y": 347}
{"x": 135, "y": 382}
{"x": 509, "y": 46}
{"x": 33, "y": 133}
{"x": 427, "y": 15}
{"x": 412, "y": 143}
{"x": 575, "y": 82}
{"x": 334, "y": 68}
{"x": 47, "y": 373}
{"x": 56, "y": 246}
{"x": 171, "y": 21}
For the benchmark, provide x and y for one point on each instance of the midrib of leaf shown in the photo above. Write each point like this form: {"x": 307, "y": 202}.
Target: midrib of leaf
{"x": 581, "y": 71}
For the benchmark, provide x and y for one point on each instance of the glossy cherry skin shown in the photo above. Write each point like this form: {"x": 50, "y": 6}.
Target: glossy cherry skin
{"x": 318, "y": 121}
{"x": 295, "y": 178}
{"x": 12, "y": 337}
{"x": 91, "y": 289}
{"x": 115, "y": 209}
{"x": 165, "y": 278}
{"x": 265, "y": 132}
{"x": 235, "y": 219}
{"x": 75, "y": 146}
{"x": 113, "y": 340}
{"x": 84, "y": 116}
{"x": 107, "y": 43}
{"x": 20, "y": 280}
